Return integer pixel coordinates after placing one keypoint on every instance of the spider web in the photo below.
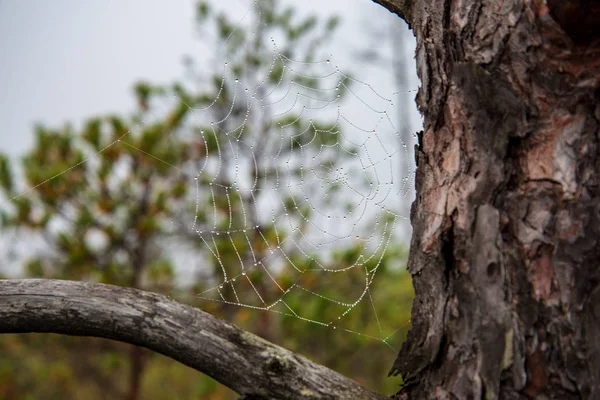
(290, 172)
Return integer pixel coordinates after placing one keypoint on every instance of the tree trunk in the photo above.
(506, 225)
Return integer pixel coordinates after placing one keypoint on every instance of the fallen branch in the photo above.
(248, 364)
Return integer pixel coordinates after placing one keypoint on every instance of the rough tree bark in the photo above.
(248, 364)
(506, 225)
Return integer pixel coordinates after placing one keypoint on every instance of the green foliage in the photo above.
(44, 366)
(6, 178)
(112, 199)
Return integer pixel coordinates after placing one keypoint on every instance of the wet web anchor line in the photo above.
(293, 170)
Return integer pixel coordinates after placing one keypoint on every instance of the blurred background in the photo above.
(199, 199)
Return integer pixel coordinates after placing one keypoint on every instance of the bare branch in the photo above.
(402, 8)
(246, 363)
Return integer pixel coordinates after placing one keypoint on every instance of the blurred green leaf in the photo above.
(6, 177)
